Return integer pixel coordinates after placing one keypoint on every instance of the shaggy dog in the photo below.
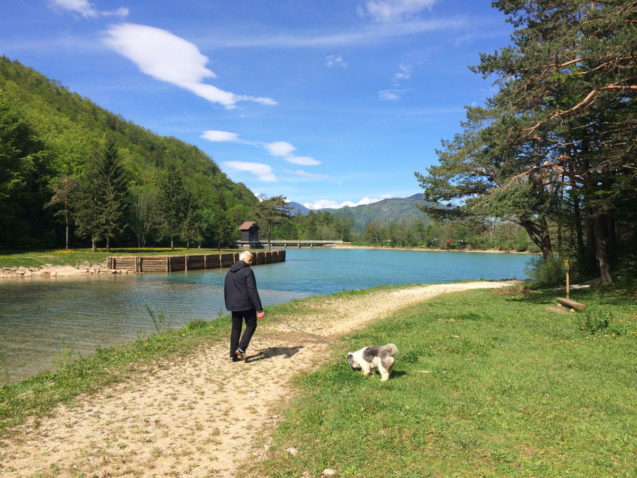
(374, 357)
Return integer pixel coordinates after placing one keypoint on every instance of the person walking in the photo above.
(242, 299)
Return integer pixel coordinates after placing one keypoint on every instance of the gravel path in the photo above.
(198, 416)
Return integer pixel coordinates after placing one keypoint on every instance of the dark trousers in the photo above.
(250, 317)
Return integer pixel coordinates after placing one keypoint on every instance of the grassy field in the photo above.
(74, 257)
(484, 385)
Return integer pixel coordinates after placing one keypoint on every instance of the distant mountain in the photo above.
(385, 211)
(298, 208)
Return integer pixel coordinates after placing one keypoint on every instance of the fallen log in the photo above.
(571, 304)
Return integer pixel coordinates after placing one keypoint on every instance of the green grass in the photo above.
(485, 384)
(74, 257)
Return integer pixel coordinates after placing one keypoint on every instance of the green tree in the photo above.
(172, 203)
(557, 139)
(145, 212)
(64, 190)
(115, 196)
(103, 197)
(24, 176)
(271, 212)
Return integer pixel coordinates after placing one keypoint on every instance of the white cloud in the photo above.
(220, 136)
(279, 148)
(393, 10)
(305, 174)
(390, 95)
(87, 10)
(169, 58)
(403, 73)
(332, 61)
(302, 160)
(262, 171)
(330, 204)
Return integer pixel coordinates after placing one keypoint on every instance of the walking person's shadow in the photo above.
(272, 352)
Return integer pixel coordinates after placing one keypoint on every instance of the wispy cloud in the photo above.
(86, 8)
(369, 34)
(262, 171)
(403, 73)
(279, 149)
(220, 136)
(333, 61)
(392, 10)
(390, 95)
(305, 174)
(169, 58)
(330, 204)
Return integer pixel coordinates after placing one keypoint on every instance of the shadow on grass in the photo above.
(272, 352)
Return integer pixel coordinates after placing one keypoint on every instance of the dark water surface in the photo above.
(41, 318)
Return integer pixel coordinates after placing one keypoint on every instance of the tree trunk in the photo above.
(66, 220)
(93, 245)
(172, 244)
(600, 231)
(539, 234)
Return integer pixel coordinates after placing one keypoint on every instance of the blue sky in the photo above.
(328, 102)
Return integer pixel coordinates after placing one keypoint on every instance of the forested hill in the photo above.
(384, 211)
(53, 142)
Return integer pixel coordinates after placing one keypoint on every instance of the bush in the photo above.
(547, 272)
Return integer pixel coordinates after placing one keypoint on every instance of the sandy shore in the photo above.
(202, 415)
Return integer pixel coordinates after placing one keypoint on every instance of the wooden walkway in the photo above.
(294, 243)
(189, 263)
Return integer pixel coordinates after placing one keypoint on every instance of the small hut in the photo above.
(250, 234)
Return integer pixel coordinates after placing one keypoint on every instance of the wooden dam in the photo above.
(190, 262)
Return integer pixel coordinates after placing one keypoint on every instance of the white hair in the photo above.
(245, 255)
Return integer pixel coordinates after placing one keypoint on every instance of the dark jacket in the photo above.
(240, 288)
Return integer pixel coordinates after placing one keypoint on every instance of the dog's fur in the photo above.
(374, 357)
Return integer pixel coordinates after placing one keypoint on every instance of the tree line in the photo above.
(73, 173)
(554, 149)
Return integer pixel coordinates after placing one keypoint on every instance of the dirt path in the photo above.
(199, 416)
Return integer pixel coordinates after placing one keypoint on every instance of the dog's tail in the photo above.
(391, 349)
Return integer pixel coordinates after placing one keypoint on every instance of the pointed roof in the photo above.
(247, 225)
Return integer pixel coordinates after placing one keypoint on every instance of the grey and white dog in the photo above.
(374, 357)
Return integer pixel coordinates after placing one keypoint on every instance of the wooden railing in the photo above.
(189, 263)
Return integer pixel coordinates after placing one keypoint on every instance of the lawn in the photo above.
(484, 384)
(74, 257)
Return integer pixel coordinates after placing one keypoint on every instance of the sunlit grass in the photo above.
(74, 257)
(484, 385)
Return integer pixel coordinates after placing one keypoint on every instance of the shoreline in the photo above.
(425, 249)
(48, 271)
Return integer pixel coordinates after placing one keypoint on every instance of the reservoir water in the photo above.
(41, 318)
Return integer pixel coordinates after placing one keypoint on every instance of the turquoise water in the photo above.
(41, 318)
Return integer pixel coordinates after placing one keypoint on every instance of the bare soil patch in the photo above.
(201, 415)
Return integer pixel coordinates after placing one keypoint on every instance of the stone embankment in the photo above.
(48, 271)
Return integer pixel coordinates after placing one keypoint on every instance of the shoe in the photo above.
(234, 359)
(241, 354)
